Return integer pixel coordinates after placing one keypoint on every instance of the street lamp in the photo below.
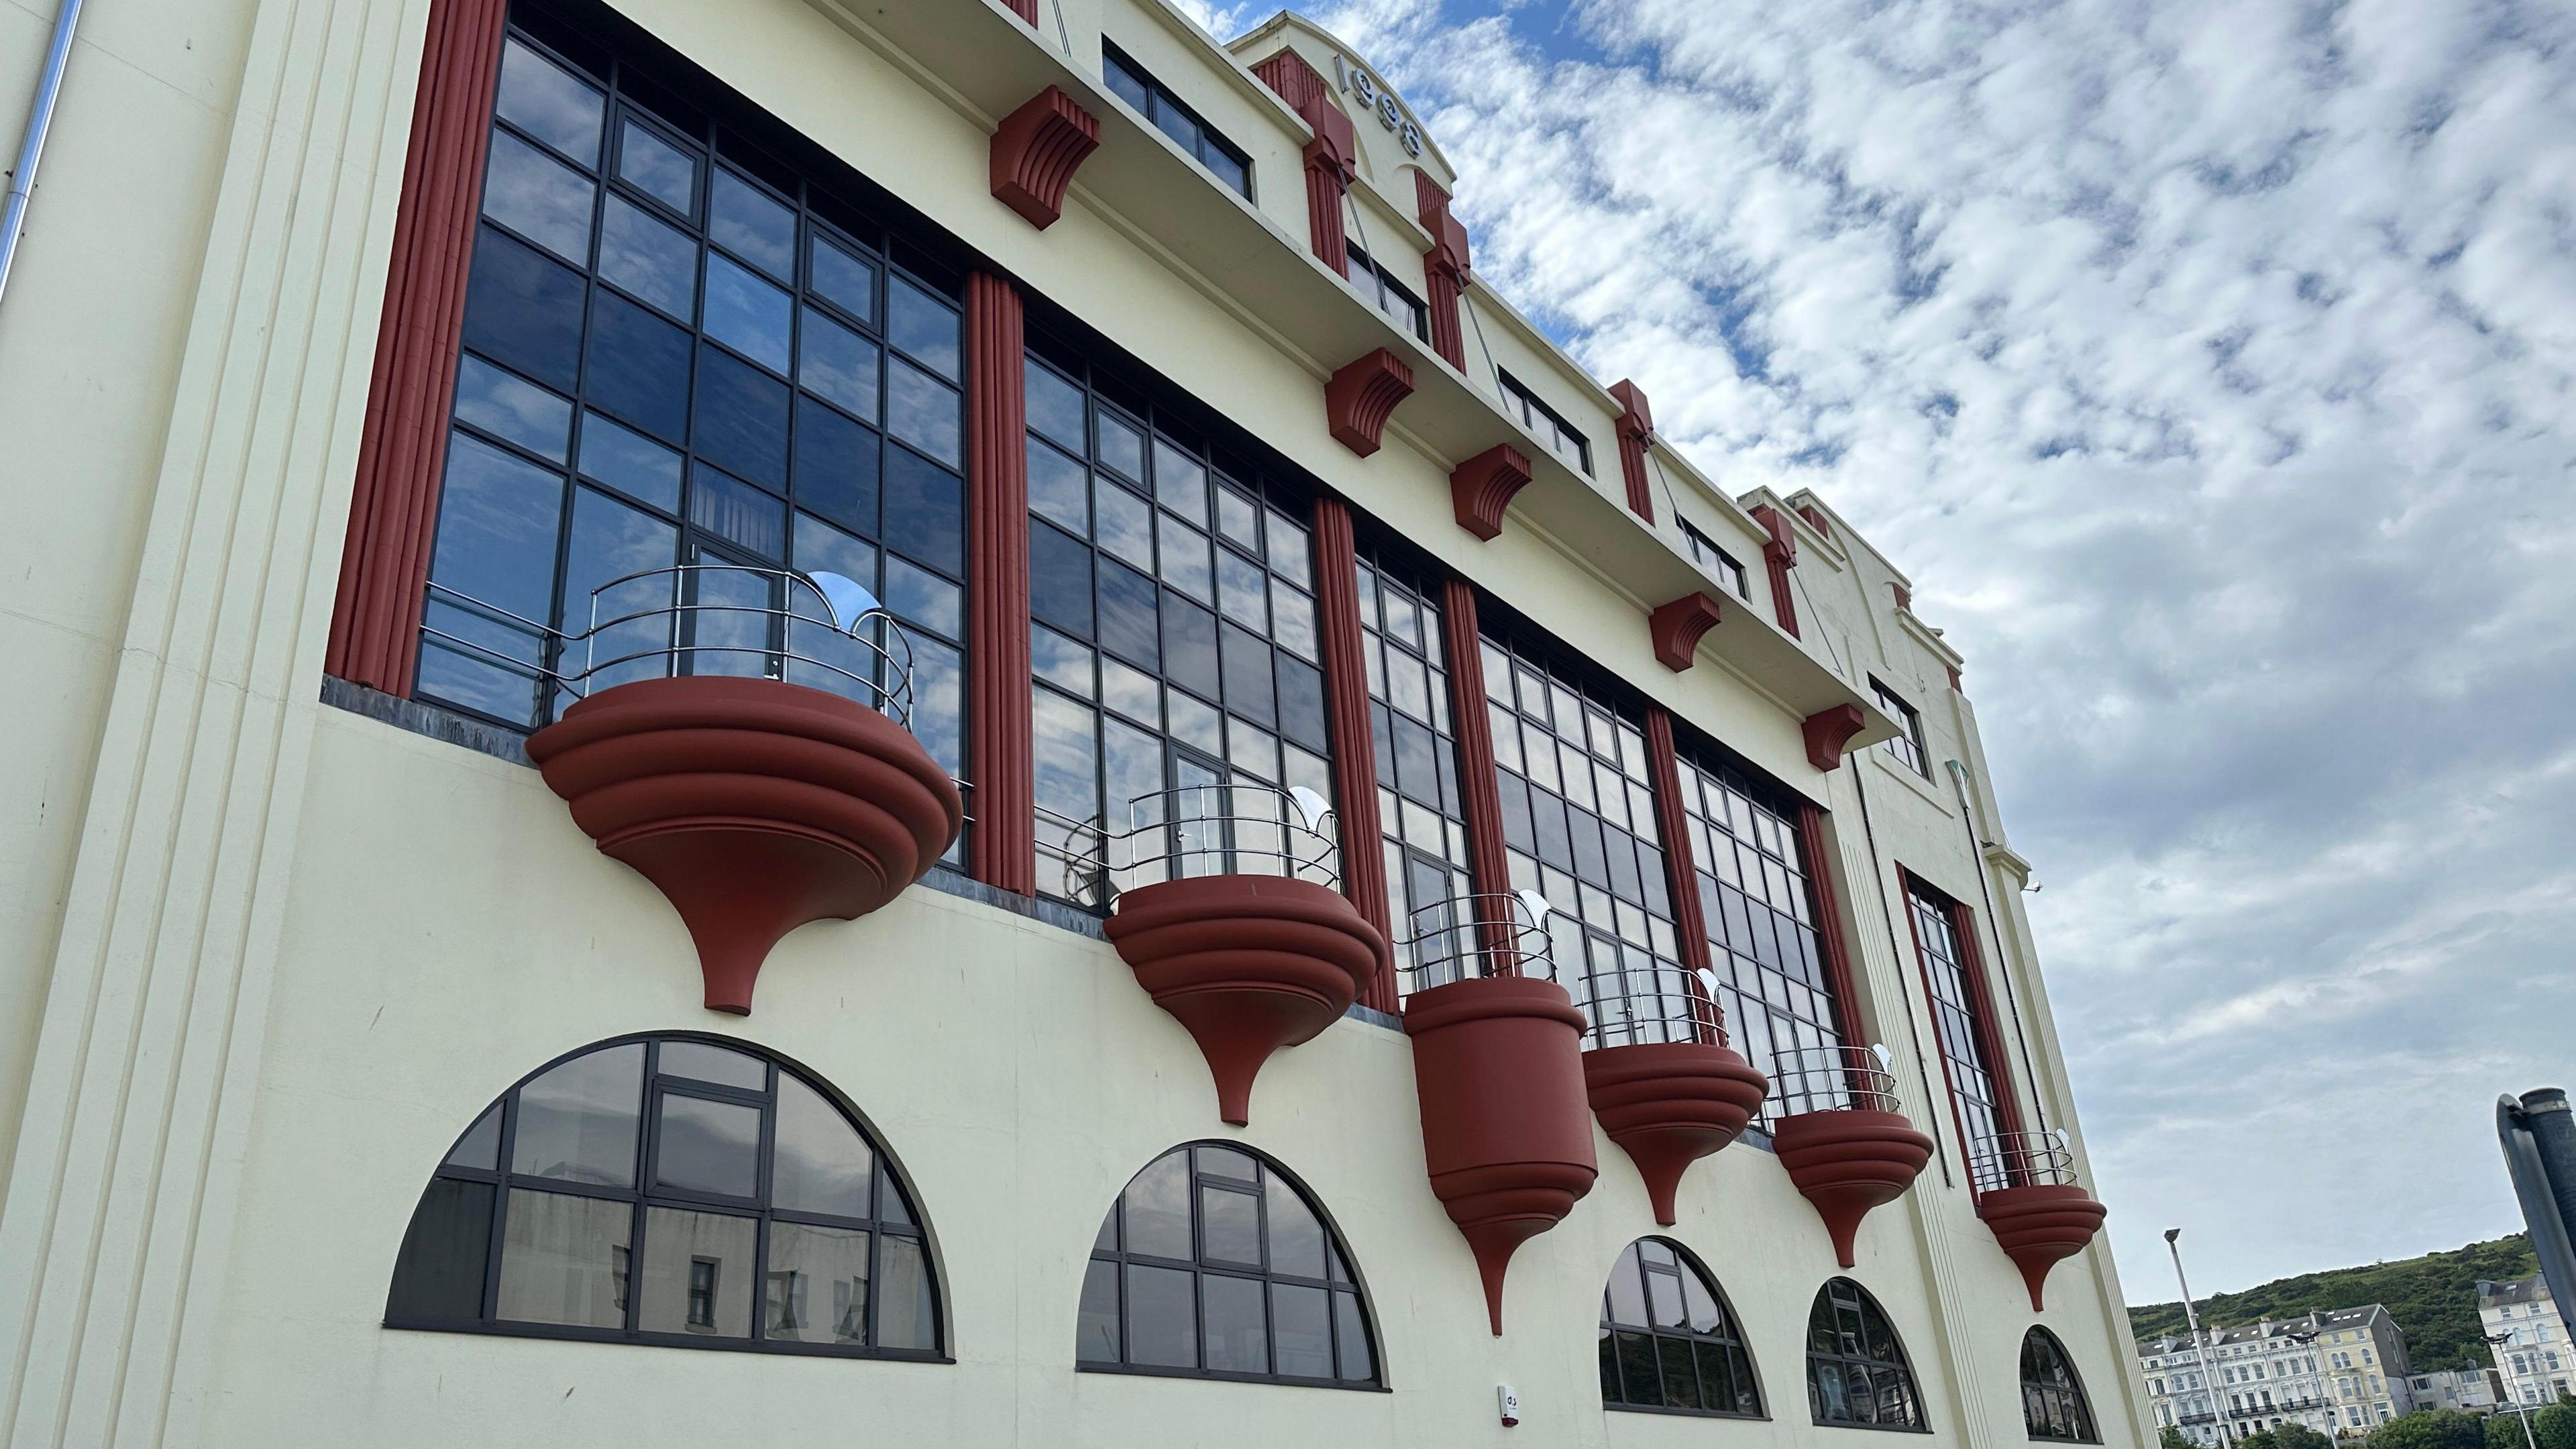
(2209, 1376)
(2500, 1340)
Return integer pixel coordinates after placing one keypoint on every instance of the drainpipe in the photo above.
(40, 119)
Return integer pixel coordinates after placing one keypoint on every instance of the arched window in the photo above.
(1214, 1264)
(671, 1190)
(1856, 1370)
(1669, 1342)
(2052, 1397)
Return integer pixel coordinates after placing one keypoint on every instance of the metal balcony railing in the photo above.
(1238, 828)
(2021, 1159)
(1640, 1002)
(1480, 934)
(1833, 1079)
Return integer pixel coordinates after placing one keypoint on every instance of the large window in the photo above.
(2052, 1397)
(1392, 297)
(671, 1190)
(1772, 983)
(1579, 824)
(1856, 1368)
(1155, 102)
(1213, 1264)
(1548, 424)
(1174, 640)
(1976, 1084)
(1669, 1342)
(1705, 552)
(678, 350)
(1407, 657)
(1908, 744)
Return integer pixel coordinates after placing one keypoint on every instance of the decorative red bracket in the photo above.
(1483, 486)
(1828, 730)
(1360, 398)
(1035, 152)
(1677, 626)
(1636, 434)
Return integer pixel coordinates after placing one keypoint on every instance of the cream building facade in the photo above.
(2339, 1371)
(351, 1094)
(2535, 1361)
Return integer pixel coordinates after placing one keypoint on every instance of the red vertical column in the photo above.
(1445, 269)
(1990, 1037)
(1479, 798)
(1332, 158)
(1003, 844)
(1636, 433)
(393, 509)
(1337, 601)
(1779, 555)
(1829, 925)
(1681, 871)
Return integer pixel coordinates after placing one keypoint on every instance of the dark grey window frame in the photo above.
(2077, 1405)
(1837, 1295)
(1706, 553)
(1728, 1338)
(1908, 747)
(1365, 270)
(1526, 408)
(1131, 81)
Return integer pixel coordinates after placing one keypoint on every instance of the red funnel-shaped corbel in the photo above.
(2040, 1223)
(1669, 1104)
(754, 805)
(1847, 1162)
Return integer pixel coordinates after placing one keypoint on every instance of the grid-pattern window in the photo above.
(1212, 1264)
(677, 351)
(1908, 744)
(1669, 1342)
(2052, 1397)
(1549, 426)
(1392, 297)
(1974, 1088)
(1416, 754)
(1579, 824)
(676, 1191)
(1153, 100)
(1174, 635)
(1856, 1369)
(1772, 986)
(1705, 552)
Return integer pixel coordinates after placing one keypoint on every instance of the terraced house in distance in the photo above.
(911, 720)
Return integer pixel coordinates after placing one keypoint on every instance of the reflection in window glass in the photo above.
(2052, 1397)
(814, 1245)
(1423, 822)
(1856, 1369)
(1668, 1340)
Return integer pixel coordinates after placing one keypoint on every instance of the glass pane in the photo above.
(920, 597)
(480, 1147)
(922, 411)
(838, 363)
(745, 220)
(1180, 482)
(1128, 624)
(564, 1259)
(630, 463)
(1067, 770)
(1627, 1294)
(549, 103)
(1060, 581)
(844, 279)
(750, 517)
(1231, 1222)
(1639, 1381)
(499, 403)
(578, 1121)
(741, 419)
(836, 466)
(817, 1289)
(539, 197)
(906, 1316)
(1121, 446)
(1701, 1305)
(708, 1146)
(821, 1163)
(697, 1273)
(1356, 1361)
(1162, 1318)
(747, 314)
(1302, 1327)
(639, 368)
(703, 1062)
(1059, 488)
(497, 522)
(1054, 406)
(524, 309)
(612, 541)
(1185, 560)
(654, 165)
(923, 326)
(1095, 1331)
(439, 1274)
(1158, 1209)
(1296, 1239)
(1664, 1292)
(1126, 526)
(1681, 1379)
(1238, 1338)
(925, 510)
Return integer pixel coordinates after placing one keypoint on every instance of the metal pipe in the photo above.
(2173, 1244)
(40, 119)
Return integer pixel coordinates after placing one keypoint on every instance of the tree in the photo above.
(2440, 1429)
(2300, 1436)
(2173, 1438)
(2555, 1426)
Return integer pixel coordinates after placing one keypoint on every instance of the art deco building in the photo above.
(909, 721)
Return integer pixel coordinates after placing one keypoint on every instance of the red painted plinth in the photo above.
(1849, 1162)
(1498, 1065)
(755, 805)
(1249, 963)
(1670, 1104)
(2040, 1224)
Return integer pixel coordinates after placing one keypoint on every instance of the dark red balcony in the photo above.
(741, 738)
(1228, 911)
(1844, 1138)
(2028, 1194)
(1663, 1081)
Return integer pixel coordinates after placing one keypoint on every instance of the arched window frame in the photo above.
(1841, 1346)
(1105, 1276)
(894, 1207)
(1726, 1340)
(2052, 1393)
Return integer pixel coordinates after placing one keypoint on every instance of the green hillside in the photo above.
(2434, 1298)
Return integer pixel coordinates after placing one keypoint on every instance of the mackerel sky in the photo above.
(2208, 366)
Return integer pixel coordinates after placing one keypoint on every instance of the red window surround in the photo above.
(1987, 1033)
(1829, 925)
(393, 509)
(1480, 799)
(1681, 871)
(1002, 849)
(1337, 601)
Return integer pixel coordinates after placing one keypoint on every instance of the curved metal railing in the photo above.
(1833, 1079)
(1488, 933)
(1639, 1001)
(2021, 1159)
(821, 629)
(1240, 827)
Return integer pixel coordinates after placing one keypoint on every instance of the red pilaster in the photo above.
(1480, 798)
(1780, 554)
(1681, 869)
(393, 510)
(1445, 269)
(1990, 1036)
(1337, 601)
(1636, 434)
(1002, 848)
(1332, 158)
(1025, 9)
(1821, 862)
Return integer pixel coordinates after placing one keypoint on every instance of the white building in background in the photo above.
(2536, 1362)
(2475, 1391)
(2338, 1371)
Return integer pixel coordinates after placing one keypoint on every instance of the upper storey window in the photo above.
(1174, 637)
(1153, 100)
(1407, 657)
(1579, 825)
(677, 351)
(1772, 985)
(1549, 425)
(1392, 297)
(1705, 552)
(1908, 744)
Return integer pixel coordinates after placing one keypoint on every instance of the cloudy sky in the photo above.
(2208, 365)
